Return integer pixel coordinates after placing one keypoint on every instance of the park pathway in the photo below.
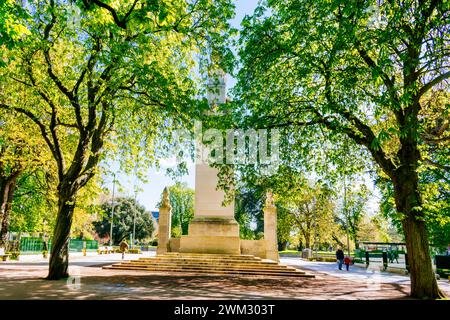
(24, 280)
(358, 274)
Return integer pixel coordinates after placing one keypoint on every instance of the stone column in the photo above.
(270, 228)
(164, 223)
(213, 228)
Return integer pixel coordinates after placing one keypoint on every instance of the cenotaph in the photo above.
(213, 228)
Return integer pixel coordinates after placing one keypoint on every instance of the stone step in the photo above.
(182, 260)
(215, 271)
(201, 263)
(204, 261)
(211, 256)
(209, 266)
(206, 265)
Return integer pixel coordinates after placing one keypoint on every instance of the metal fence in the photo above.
(35, 244)
(31, 244)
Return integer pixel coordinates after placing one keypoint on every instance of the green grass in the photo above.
(290, 251)
(318, 252)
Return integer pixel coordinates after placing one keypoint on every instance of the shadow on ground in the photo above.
(95, 283)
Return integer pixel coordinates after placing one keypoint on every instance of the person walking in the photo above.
(347, 262)
(123, 248)
(340, 257)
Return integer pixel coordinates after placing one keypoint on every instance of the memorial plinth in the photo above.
(213, 228)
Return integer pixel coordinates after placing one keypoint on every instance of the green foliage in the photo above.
(35, 205)
(102, 80)
(326, 70)
(248, 207)
(125, 212)
(118, 80)
(182, 201)
(311, 209)
(284, 226)
(12, 25)
(365, 70)
(353, 208)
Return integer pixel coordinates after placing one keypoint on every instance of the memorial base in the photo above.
(212, 235)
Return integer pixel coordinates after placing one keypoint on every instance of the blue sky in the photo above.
(151, 191)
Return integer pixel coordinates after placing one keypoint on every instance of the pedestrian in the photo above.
(347, 262)
(340, 257)
(123, 248)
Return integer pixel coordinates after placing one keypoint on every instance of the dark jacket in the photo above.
(339, 254)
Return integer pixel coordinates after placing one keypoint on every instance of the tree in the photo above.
(20, 152)
(34, 205)
(95, 86)
(353, 210)
(125, 211)
(249, 203)
(86, 210)
(312, 211)
(360, 69)
(285, 221)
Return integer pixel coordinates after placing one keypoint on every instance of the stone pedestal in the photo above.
(270, 228)
(213, 229)
(164, 224)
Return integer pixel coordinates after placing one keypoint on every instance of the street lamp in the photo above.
(134, 218)
(347, 223)
(112, 212)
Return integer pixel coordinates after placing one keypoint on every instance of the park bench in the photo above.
(3, 255)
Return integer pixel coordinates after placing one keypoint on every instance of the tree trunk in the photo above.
(356, 242)
(6, 204)
(3, 204)
(307, 236)
(408, 202)
(282, 246)
(59, 259)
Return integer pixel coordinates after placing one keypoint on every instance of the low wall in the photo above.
(254, 247)
(174, 244)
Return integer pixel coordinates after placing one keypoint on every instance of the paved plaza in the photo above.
(24, 280)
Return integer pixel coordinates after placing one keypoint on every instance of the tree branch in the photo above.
(36, 120)
(438, 165)
(432, 83)
(389, 83)
(120, 23)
